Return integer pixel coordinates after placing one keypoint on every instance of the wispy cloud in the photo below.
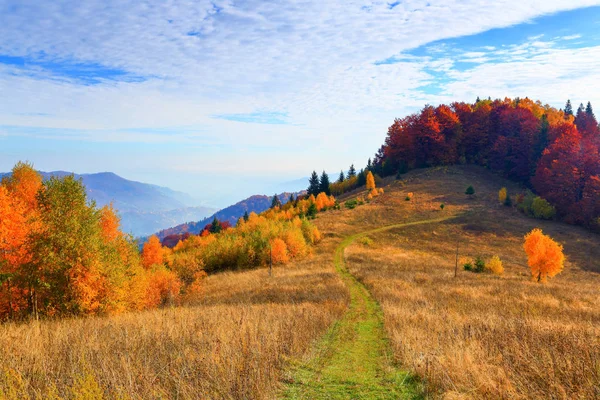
(269, 117)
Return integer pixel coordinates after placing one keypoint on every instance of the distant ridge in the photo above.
(144, 208)
(231, 214)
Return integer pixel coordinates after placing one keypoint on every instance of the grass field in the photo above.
(310, 331)
(233, 345)
(480, 335)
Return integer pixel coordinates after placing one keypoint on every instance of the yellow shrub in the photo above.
(495, 265)
(502, 195)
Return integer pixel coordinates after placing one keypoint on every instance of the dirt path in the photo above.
(354, 360)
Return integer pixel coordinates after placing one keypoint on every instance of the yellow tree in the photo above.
(544, 256)
(370, 181)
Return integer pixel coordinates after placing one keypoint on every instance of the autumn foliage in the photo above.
(554, 153)
(544, 256)
(61, 255)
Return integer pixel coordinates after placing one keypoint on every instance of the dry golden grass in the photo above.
(479, 335)
(232, 344)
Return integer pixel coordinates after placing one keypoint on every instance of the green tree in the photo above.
(66, 270)
(369, 165)
(470, 191)
(215, 226)
(568, 108)
(341, 178)
(351, 172)
(324, 184)
(275, 202)
(313, 184)
(361, 178)
(246, 216)
(589, 111)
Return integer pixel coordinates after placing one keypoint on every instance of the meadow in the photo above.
(466, 337)
(481, 335)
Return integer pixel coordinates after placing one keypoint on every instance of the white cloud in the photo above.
(313, 60)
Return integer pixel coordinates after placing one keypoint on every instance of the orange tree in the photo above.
(544, 256)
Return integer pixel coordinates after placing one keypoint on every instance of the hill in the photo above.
(144, 208)
(256, 204)
(406, 327)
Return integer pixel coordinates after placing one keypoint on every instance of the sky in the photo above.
(224, 99)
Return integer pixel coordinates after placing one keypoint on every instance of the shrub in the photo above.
(442, 206)
(508, 201)
(312, 210)
(366, 241)
(502, 195)
(495, 265)
(479, 265)
(409, 196)
(468, 266)
(470, 191)
(542, 209)
(350, 204)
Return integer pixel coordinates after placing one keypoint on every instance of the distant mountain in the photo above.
(256, 203)
(144, 208)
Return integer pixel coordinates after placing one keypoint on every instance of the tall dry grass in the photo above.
(480, 335)
(232, 344)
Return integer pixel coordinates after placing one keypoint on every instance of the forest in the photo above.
(60, 255)
(554, 152)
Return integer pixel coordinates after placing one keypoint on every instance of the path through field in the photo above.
(354, 359)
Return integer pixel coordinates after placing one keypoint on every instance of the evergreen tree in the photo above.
(341, 178)
(246, 216)
(275, 202)
(351, 172)
(589, 111)
(580, 110)
(477, 100)
(291, 199)
(369, 165)
(215, 227)
(313, 184)
(568, 108)
(324, 184)
(361, 178)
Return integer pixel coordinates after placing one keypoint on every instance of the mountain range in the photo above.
(144, 208)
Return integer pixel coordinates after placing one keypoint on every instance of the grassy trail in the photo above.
(354, 360)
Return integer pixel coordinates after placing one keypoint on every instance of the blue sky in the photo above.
(223, 99)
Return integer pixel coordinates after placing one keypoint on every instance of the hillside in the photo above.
(144, 208)
(410, 329)
(256, 204)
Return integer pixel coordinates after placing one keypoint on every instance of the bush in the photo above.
(312, 210)
(470, 191)
(508, 201)
(366, 241)
(542, 209)
(468, 266)
(479, 265)
(502, 195)
(442, 206)
(350, 204)
(495, 266)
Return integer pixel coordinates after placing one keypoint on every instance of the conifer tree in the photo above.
(246, 216)
(361, 178)
(215, 227)
(351, 172)
(291, 199)
(341, 178)
(369, 165)
(324, 184)
(568, 108)
(313, 184)
(275, 202)
(589, 111)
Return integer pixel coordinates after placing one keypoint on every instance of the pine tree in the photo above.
(313, 184)
(324, 184)
(215, 227)
(341, 178)
(477, 100)
(568, 108)
(580, 110)
(246, 216)
(361, 178)
(275, 202)
(589, 111)
(369, 165)
(291, 199)
(351, 172)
